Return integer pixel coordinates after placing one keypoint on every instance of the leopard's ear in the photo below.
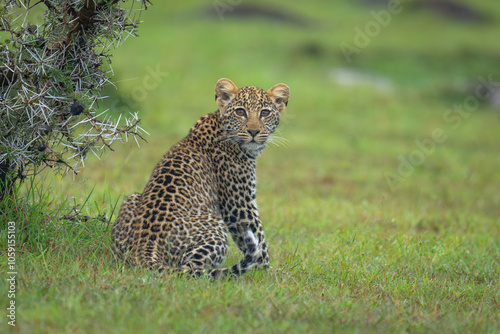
(225, 91)
(279, 95)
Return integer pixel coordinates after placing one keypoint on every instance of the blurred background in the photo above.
(393, 113)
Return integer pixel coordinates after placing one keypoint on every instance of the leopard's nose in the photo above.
(253, 133)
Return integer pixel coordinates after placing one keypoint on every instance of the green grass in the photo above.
(350, 251)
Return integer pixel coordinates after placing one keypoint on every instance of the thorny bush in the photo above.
(55, 61)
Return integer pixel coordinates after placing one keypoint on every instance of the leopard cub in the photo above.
(202, 186)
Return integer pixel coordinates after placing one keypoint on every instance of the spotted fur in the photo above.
(203, 185)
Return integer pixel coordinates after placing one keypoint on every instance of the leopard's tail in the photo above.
(248, 261)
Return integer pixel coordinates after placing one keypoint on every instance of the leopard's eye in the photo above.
(265, 113)
(240, 112)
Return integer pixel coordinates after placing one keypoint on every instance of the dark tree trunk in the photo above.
(6, 181)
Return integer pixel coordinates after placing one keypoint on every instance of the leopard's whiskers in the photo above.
(278, 141)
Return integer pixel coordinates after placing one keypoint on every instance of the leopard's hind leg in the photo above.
(197, 263)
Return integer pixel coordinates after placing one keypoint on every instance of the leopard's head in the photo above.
(249, 115)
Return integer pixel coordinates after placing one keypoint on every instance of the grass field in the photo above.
(381, 211)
